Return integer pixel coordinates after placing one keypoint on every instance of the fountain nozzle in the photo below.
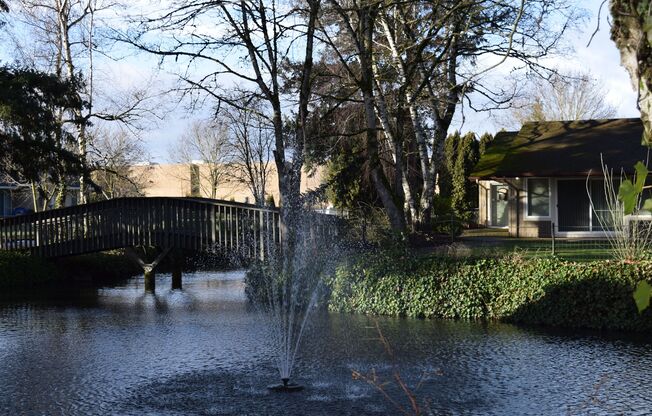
(286, 386)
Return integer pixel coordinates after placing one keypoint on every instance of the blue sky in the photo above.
(601, 58)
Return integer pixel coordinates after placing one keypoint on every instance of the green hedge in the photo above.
(22, 270)
(545, 291)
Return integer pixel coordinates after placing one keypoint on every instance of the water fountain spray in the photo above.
(290, 293)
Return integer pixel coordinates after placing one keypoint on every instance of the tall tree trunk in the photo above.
(82, 141)
(34, 197)
(427, 194)
(632, 33)
(442, 110)
(290, 171)
(381, 184)
(60, 196)
(401, 184)
(394, 213)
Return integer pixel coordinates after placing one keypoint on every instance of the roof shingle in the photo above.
(563, 148)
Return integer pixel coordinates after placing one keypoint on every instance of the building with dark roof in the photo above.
(545, 175)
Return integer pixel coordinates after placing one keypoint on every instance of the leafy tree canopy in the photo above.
(33, 110)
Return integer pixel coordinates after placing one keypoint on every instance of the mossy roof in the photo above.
(563, 148)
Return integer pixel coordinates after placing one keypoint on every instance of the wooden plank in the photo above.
(21, 233)
(212, 225)
(94, 231)
(263, 234)
(114, 224)
(138, 238)
(239, 240)
(220, 229)
(229, 227)
(196, 215)
(134, 222)
(3, 235)
(63, 232)
(175, 227)
(207, 225)
(155, 209)
(196, 218)
(167, 224)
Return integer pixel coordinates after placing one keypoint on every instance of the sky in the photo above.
(601, 58)
(134, 71)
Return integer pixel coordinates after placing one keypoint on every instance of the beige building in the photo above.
(183, 180)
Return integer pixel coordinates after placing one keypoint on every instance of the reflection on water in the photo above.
(203, 351)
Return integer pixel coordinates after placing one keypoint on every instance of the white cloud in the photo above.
(601, 58)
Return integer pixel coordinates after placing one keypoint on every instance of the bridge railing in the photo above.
(155, 221)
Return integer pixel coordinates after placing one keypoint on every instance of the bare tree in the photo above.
(348, 29)
(63, 39)
(205, 148)
(422, 58)
(251, 140)
(572, 96)
(247, 41)
(113, 155)
(62, 36)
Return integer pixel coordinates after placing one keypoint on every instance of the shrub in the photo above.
(255, 281)
(266, 282)
(546, 291)
(22, 270)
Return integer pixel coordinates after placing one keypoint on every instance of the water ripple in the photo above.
(202, 351)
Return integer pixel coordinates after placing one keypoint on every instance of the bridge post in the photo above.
(176, 277)
(148, 268)
(177, 268)
(150, 278)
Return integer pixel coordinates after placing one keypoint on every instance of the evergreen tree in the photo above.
(485, 139)
(464, 192)
(448, 167)
(348, 184)
(33, 139)
(461, 153)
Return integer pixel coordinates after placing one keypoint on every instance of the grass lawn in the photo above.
(496, 242)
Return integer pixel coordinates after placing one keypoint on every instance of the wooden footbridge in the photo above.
(247, 231)
(244, 230)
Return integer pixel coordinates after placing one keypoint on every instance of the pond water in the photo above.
(203, 351)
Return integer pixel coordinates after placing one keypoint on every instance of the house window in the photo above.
(538, 197)
(583, 206)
